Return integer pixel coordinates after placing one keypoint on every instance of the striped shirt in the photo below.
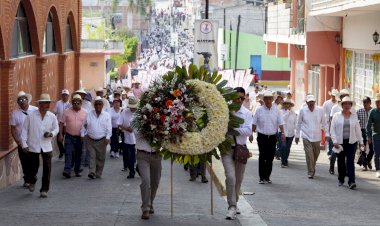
(363, 117)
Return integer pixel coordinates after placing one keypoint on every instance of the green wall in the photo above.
(250, 44)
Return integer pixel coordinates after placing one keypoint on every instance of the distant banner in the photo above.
(206, 44)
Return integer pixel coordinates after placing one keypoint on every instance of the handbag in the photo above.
(241, 153)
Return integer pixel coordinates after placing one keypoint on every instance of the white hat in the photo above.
(344, 92)
(347, 99)
(99, 98)
(23, 94)
(133, 102)
(44, 97)
(267, 94)
(81, 90)
(334, 92)
(310, 98)
(288, 101)
(65, 91)
(77, 97)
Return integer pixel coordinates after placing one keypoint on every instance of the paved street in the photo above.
(293, 199)
(112, 200)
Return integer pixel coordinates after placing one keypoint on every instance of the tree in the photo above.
(130, 49)
(139, 6)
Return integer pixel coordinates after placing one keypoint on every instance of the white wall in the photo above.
(321, 23)
(358, 30)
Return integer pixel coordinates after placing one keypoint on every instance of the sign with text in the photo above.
(206, 44)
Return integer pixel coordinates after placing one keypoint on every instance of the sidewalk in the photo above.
(112, 200)
(293, 199)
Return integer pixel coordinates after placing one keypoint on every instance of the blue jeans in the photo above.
(129, 157)
(346, 162)
(285, 150)
(332, 154)
(73, 150)
(376, 148)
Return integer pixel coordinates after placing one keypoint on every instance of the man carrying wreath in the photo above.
(233, 169)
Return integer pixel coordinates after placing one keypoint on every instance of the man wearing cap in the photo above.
(71, 124)
(58, 110)
(373, 133)
(310, 122)
(39, 128)
(98, 130)
(327, 106)
(363, 119)
(17, 123)
(267, 120)
(128, 146)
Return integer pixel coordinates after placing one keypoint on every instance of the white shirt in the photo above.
(17, 120)
(60, 108)
(125, 120)
(290, 120)
(87, 105)
(34, 129)
(327, 106)
(268, 120)
(336, 129)
(142, 143)
(337, 108)
(245, 129)
(310, 123)
(97, 127)
(114, 117)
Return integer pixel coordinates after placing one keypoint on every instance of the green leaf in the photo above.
(218, 78)
(234, 107)
(221, 84)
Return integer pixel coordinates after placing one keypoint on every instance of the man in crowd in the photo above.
(106, 105)
(71, 124)
(311, 121)
(327, 107)
(39, 128)
(58, 110)
(363, 119)
(233, 169)
(98, 131)
(267, 120)
(373, 133)
(17, 123)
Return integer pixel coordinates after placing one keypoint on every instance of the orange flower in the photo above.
(176, 93)
(155, 110)
(169, 103)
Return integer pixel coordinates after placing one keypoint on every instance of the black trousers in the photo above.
(267, 149)
(60, 146)
(34, 164)
(23, 160)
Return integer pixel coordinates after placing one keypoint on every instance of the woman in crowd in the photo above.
(290, 119)
(115, 114)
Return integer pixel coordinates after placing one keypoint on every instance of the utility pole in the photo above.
(237, 42)
(206, 13)
(224, 35)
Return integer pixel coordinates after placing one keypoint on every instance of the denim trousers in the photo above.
(376, 148)
(346, 162)
(73, 153)
(285, 150)
(129, 157)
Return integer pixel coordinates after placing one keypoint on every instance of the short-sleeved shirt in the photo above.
(125, 120)
(73, 121)
(17, 119)
(267, 120)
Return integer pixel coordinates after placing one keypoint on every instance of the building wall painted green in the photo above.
(250, 44)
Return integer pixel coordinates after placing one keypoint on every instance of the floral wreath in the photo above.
(186, 115)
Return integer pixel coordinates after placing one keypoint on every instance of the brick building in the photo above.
(39, 53)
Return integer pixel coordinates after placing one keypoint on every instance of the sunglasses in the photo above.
(21, 100)
(97, 104)
(76, 102)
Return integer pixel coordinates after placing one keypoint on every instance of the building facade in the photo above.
(39, 53)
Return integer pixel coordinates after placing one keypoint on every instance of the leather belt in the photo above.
(96, 140)
(147, 152)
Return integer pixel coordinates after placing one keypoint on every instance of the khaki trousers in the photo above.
(234, 172)
(97, 151)
(312, 150)
(150, 174)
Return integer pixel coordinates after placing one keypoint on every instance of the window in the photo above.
(49, 41)
(363, 76)
(21, 44)
(68, 38)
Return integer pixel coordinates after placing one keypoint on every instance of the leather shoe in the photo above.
(66, 174)
(130, 176)
(151, 211)
(145, 215)
(91, 176)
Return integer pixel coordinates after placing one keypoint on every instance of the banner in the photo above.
(206, 44)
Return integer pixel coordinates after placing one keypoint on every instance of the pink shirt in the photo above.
(137, 92)
(73, 121)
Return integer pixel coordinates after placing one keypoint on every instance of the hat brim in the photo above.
(286, 102)
(351, 101)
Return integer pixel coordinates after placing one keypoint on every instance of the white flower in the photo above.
(149, 107)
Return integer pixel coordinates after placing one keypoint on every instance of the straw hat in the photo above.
(44, 97)
(133, 102)
(267, 94)
(81, 91)
(77, 97)
(333, 92)
(347, 99)
(23, 94)
(99, 98)
(288, 101)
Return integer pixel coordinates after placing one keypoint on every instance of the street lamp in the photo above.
(375, 37)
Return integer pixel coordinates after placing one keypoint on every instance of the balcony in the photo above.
(110, 47)
(343, 7)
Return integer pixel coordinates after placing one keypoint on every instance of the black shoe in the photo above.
(268, 181)
(80, 170)
(91, 176)
(130, 176)
(369, 165)
(60, 155)
(192, 178)
(66, 174)
(352, 186)
(261, 182)
(331, 172)
(204, 179)
(340, 184)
